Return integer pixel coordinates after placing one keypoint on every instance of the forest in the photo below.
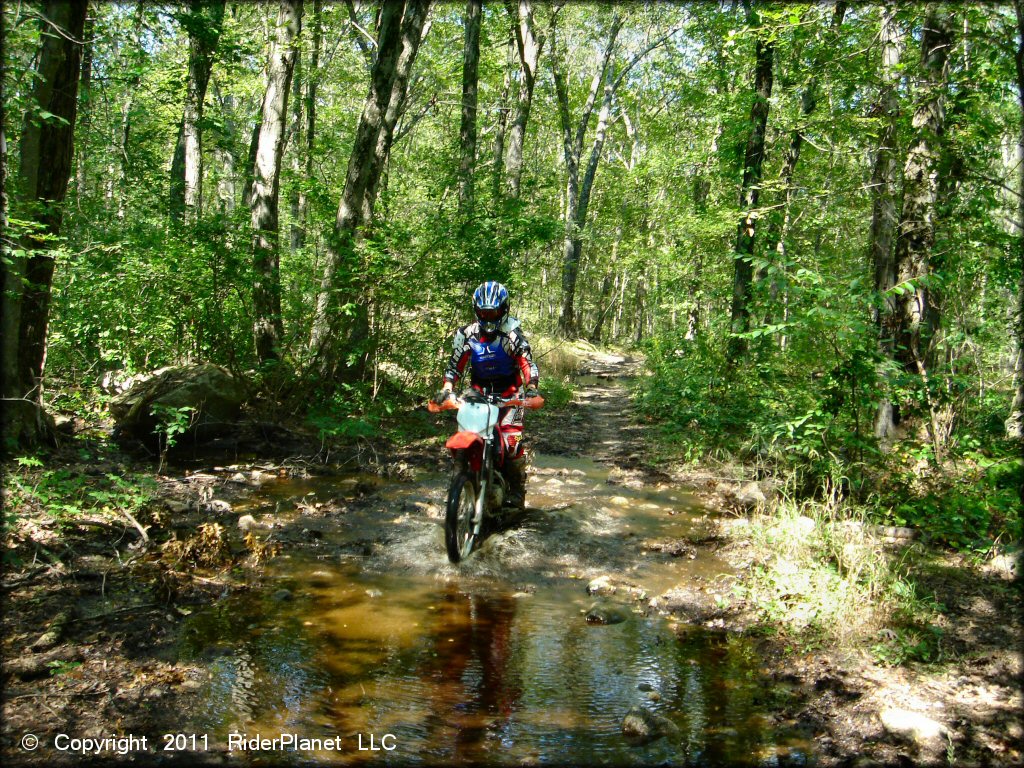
(802, 222)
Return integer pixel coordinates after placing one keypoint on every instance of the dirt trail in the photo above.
(598, 514)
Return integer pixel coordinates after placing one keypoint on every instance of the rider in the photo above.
(500, 362)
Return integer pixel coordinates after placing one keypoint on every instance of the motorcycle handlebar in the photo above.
(452, 403)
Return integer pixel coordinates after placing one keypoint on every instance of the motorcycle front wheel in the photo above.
(458, 520)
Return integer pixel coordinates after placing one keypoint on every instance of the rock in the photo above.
(239, 478)
(176, 506)
(218, 505)
(602, 585)
(645, 686)
(750, 496)
(619, 501)
(215, 394)
(283, 595)
(606, 613)
(246, 522)
(922, 731)
(641, 726)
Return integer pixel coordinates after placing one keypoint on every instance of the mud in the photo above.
(241, 609)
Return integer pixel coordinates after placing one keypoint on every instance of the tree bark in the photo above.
(45, 166)
(501, 126)
(1015, 422)
(572, 145)
(203, 23)
(400, 30)
(300, 202)
(84, 107)
(749, 191)
(916, 317)
(266, 175)
(470, 77)
(916, 313)
(529, 46)
(883, 208)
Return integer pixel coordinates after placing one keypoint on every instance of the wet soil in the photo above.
(319, 572)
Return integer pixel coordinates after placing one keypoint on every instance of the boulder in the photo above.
(215, 395)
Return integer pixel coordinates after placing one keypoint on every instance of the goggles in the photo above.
(492, 314)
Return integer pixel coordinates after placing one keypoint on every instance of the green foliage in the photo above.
(63, 495)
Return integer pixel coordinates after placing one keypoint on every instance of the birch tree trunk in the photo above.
(883, 207)
(264, 201)
(45, 165)
(203, 23)
(467, 128)
(749, 192)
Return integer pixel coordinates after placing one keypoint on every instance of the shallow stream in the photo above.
(366, 630)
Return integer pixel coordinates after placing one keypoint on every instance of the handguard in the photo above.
(448, 405)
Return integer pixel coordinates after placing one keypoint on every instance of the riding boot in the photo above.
(515, 474)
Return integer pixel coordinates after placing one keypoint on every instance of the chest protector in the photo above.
(491, 360)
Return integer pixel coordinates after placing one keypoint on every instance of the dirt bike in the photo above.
(478, 488)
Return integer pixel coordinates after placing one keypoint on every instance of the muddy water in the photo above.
(367, 630)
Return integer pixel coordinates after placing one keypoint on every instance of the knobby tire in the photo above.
(458, 519)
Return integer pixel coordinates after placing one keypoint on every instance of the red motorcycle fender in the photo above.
(462, 440)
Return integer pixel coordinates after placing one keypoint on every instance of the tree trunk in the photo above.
(84, 107)
(305, 106)
(45, 152)
(467, 128)
(399, 33)
(203, 23)
(916, 314)
(501, 126)
(779, 220)
(224, 154)
(883, 208)
(529, 47)
(1015, 422)
(266, 175)
(750, 190)
(572, 142)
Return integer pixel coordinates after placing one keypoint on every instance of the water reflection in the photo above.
(465, 668)
(468, 675)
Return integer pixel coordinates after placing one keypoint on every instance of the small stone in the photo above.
(246, 522)
(238, 477)
(645, 686)
(619, 501)
(283, 595)
(175, 506)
